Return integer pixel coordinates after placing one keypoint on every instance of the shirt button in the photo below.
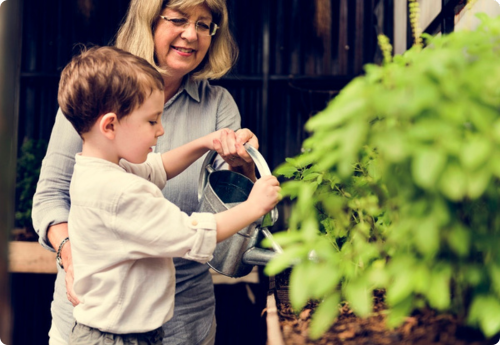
(194, 222)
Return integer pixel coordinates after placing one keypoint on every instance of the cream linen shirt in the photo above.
(124, 234)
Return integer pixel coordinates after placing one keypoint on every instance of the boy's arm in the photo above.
(177, 160)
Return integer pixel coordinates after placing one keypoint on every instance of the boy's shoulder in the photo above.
(103, 184)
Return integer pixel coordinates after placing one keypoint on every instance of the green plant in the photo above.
(28, 170)
(398, 188)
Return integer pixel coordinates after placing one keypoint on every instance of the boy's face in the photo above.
(139, 131)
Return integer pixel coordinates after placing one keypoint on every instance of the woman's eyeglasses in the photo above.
(202, 28)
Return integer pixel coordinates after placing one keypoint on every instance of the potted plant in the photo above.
(398, 189)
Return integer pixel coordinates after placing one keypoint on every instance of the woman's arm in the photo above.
(51, 201)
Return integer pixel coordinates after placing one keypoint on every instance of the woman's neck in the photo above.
(171, 87)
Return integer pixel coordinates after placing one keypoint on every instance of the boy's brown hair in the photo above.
(105, 80)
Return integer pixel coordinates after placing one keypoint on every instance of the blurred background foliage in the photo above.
(28, 169)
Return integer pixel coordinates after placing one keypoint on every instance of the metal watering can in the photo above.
(219, 190)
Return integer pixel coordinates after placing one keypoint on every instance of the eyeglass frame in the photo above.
(186, 25)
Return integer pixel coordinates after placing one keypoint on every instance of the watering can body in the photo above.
(218, 191)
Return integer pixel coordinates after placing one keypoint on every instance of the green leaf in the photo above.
(496, 130)
(484, 311)
(399, 311)
(400, 288)
(299, 283)
(459, 240)
(477, 182)
(473, 274)
(324, 316)
(392, 146)
(438, 293)
(286, 170)
(427, 166)
(285, 238)
(475, 153)
(336, 113)
(310, 228)
(291, 188)
(359, 296)
(286, 259)
(494, 271)
(292, 161)
(311, 176)
(495, 164)
(326, 279)
(377, 275)
(421, 277)
(453, 182)
(427, 235)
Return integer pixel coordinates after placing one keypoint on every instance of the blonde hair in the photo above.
(136, 35)
(105, 80)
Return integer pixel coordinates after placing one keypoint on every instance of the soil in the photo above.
(425, 327)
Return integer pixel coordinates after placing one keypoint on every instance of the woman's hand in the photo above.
(67, 261)
(231, 149)
(56, 234)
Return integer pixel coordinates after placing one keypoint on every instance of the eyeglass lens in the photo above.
(202, 28)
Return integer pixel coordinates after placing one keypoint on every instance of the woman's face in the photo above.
(180, 50)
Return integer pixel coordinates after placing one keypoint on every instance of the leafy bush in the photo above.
(28, 170)
(398, 188)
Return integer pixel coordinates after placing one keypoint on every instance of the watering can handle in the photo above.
(259, 161)
(264, 170)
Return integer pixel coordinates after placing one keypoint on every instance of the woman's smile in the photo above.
(184, 51)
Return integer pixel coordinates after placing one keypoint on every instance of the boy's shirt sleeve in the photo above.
(152, 169)
(149, 225)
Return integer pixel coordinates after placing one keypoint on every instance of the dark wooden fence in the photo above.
(295, 55)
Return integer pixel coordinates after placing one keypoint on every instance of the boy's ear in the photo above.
(107, 125)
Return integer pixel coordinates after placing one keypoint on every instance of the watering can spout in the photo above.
(258, 256)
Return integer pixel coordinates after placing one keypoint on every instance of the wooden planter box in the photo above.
(274, 334)
(30, 257)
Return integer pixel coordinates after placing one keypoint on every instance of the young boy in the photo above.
(124, 233)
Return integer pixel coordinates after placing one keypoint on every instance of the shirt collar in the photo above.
(191, 88)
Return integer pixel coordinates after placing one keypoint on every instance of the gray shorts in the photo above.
(83, 335)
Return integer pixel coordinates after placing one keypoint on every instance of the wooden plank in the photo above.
(252, 277)
(343, 45)
(30, 257)
(360, 31)
(274, 335)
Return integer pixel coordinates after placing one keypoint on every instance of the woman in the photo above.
(189, 42)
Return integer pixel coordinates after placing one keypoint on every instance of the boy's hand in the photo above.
(265, 194)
